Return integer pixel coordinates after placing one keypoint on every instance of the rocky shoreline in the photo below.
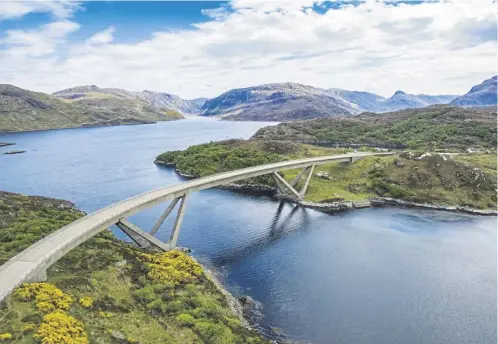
(332, 207)
(247, 310)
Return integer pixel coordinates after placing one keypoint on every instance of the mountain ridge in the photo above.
(24, 110)
(483, 94)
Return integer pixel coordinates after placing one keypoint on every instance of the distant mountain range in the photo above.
(291, 101)
(93, 106)
(23, 110)
(483, 94)
(278, 102)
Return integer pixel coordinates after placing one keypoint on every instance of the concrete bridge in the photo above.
(32, 263)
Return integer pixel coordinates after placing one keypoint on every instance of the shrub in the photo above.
(5, 336)
(28, 328)
(86, 302)
(214, 333)
(172, 266)
(48, 297)
(60, 328)
(185, 320)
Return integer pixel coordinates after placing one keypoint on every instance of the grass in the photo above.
(119, 293)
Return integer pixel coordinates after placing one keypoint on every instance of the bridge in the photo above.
(32, 263)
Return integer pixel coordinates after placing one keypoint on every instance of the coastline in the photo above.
(333, 207)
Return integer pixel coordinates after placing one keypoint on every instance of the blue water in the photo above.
(376, 276)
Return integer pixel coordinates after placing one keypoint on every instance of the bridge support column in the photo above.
(163, 217)
(284, 182)
(127, 229)
(178, 223)
(140, 236)
(303, 190)
(39, 277)
(298, 177)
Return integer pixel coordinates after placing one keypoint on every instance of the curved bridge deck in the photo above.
(34, 260)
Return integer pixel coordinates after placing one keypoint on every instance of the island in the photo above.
(17, 151)
(109, 291)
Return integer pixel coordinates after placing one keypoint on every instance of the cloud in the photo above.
(17, 9)
(431, 47)
(102, 37)
(40, 42)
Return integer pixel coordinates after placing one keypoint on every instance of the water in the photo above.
(368, 276)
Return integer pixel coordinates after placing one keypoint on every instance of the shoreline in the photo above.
(90, 125)
(333, 207)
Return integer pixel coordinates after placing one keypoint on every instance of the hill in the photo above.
(23, 110)
(277, 102)
(433, 127)
(483, 94)
(108, 291)
(151, 99)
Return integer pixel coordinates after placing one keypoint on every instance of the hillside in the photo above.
(23, 110)
(441, 180)
(150, 99)
(277, 102)
(434, 127)
(483, 94)
(108, 291)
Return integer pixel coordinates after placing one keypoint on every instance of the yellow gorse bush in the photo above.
(60, 328)
(28, 328)
(86, 302)
(47, 296)
(172, 266)
(5, 336)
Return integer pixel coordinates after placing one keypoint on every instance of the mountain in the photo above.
(483, 94)
(199, 101)
(365, 100)
(278, 102)
(151, 99)
(23, 110)
(401, 100)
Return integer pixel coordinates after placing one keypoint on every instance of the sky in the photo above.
(201, 49)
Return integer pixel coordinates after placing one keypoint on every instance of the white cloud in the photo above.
(102, 37)
(433, 47)
(17, 9)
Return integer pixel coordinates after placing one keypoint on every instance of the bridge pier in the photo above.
(178, 223)
(282, 184)
(144, 239)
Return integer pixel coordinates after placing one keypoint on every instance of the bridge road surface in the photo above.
(34, 260)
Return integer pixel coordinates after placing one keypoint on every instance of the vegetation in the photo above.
(214, 157)
(107, 291)
(460, 180)
(437, 127)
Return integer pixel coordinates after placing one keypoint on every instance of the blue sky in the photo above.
(196, 49)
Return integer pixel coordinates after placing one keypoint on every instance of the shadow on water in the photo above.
(279, 227)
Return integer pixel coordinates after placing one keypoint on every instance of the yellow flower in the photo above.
(47, 296)
(5, 336)
(60, 328)
(86, 302)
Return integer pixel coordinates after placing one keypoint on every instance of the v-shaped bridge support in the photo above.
(283, 185)
(144, 239)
